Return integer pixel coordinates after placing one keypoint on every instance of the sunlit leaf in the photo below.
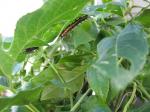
(31, 29)
(144, 18)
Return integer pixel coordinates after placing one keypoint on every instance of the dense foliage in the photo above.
(74, 56)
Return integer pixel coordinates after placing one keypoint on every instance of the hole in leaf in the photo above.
(124, 63)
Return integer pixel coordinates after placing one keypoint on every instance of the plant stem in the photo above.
(57, 73)
(29, 108)
(80, 100)
(141, 94)
(52, 66)
(144, 91)
(32, 108)
(55, 70)
(121, 101)
(131, 98)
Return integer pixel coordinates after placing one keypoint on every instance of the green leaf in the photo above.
(53, 92)
(7, 63)
(98, 83)
(84, 33)
(32, 28)
(144, 18)
(42, 78)
(73, 82)
(92, 104)
(21, 98)
(120, 59)
(73, 78)
(72, 61)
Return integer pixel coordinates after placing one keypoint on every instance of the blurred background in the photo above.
(12, 10)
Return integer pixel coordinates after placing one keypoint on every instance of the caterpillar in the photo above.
(64, 32)
(73, 25)
(31, 49)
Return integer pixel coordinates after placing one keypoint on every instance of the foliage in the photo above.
(75, 56)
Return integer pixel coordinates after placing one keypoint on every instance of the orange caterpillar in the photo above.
(73, 25)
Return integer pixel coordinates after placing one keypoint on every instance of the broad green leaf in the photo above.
(84, 33)
(31, 29)
(144, 18)
(120, 59)
(7, 63)
(73, 82)
(53, 92)
(21, 98)
(42, 78)
(48, 79)
(72, 61)
(98, 83)
(73, 78)
(92, 104)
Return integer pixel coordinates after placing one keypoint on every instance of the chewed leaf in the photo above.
(120, 58)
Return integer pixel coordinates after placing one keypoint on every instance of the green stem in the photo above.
(32, 108)
(131, 98)
(122, 100)
(79, 101)
(144, 91)
(52, 66)
(29, 108)
(57, 73)
(141, 94)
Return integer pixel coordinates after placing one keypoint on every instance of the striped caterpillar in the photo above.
(69, 28)
(73, 25)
